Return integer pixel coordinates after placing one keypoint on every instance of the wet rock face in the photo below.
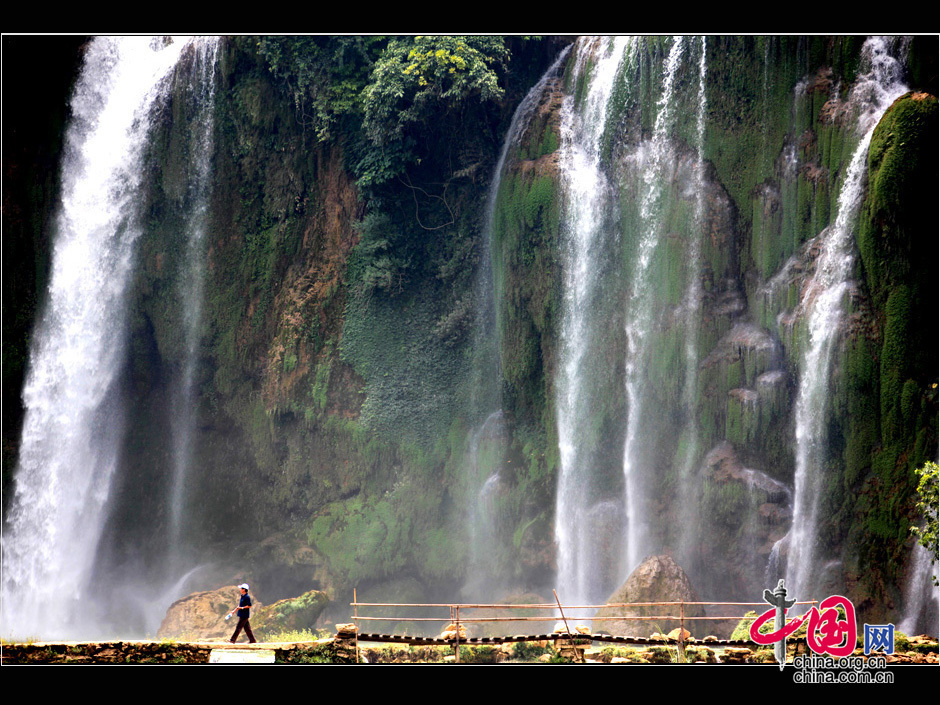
(201, 615)
(745, 511)
(657, 579)
(293, 614)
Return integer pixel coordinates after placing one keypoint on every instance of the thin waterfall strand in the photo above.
(642, 302)
(822, 307)
(585, 189)
(192, 283)
(692, 309)
(490, 438)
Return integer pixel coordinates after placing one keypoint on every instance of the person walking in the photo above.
(244, 610)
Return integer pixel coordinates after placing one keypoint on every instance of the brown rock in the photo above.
(450, 632)
(346, 631)
(201, 615)
(657, 579)
(292, 614)
(680, 634)
(736, 655)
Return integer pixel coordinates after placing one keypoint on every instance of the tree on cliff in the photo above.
(418, 83)
(928, 501)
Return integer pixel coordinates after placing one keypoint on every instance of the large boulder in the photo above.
(657, 579)
(291, 615)
(201, 615)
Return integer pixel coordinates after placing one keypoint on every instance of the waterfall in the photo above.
(692, 305)
(486, 390)
(587, 251)
(201, 91)
(656, 161)
(921, 596)
(487, 289)
(821, 307)
(488, 443)
(486, 454)
(623, 191)
(74, 424)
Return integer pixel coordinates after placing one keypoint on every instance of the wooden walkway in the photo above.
(486, 640)
(679, 613)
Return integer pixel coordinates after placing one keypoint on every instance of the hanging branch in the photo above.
(440, 198)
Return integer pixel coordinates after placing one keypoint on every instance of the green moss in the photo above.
(899, 181)
(526, 271)
(890, 245)
(750, 114)
(529, 651)
(411, 377)
(320, 653)
(727, 502)
(894, 355)
(661, 654)
(359, 541)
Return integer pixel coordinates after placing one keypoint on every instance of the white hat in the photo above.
(243, 586)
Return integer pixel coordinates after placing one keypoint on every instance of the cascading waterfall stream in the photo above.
(192, 282)
(490, 437)
(656, 159)
(921, 596)
(74, 416)
(586, 193)
(486, 453)
(487, 293)
(600, 541)
(692, 309)
(822, 309)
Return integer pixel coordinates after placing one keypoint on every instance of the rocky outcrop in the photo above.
(744, 510)
(201, 615)
(657, 579)
(293, 614)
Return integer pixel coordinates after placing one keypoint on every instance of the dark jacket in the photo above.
(243, 606)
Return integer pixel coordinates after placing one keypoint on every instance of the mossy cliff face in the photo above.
(346, 422)
(779, 132)
(280, 230)
(337, 391)
(897, 361)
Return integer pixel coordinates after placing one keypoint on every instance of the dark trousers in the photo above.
(243, 623)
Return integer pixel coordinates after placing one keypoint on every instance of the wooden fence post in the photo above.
(356, 621)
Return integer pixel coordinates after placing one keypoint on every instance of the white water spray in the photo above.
(488, 443)
(821, 306)
(192, 282)
(656, 158)
(921, 596)
(74, 418)
(692, 311)
(586, 193)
